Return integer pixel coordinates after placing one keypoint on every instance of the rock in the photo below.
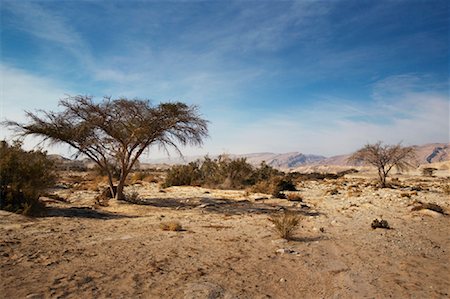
(279, 241)
(283, 280)
(260, 198)
(286, 250)
(203, 205)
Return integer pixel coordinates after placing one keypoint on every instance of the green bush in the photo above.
(24, 176)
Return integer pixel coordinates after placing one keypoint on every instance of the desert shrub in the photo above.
(226, 173)
(285, 224)
(174, 226)
(380, 224)
(24, 176)
(132, 195)
(294, 197)
(274, 186)
(183, 175)
(236, 173)
(265, 172)
(428, 171)
(143, 176)
(223, 172)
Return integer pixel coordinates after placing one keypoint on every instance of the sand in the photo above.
(229, 249)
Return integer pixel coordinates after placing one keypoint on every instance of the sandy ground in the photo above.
(228, 248)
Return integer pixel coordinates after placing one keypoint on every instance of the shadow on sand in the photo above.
(83, 212)
(222, 205)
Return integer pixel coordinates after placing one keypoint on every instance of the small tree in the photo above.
(384, 158)
(115, 133)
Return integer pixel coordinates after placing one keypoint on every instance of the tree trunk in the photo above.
(111, 186)
(120, 187)
(383, 180)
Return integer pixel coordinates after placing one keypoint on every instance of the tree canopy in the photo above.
(115, 132)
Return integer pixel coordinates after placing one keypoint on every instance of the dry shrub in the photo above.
(143, 176)
(405, 194)
(294, 197)
(285, 224)
(223, 172)
(91, 181)
(274, 186)
(380, 224)
(132, 196)
(173, 226)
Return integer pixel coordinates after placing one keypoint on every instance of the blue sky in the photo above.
(321, 77)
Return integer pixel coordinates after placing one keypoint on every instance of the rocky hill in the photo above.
(425, 154)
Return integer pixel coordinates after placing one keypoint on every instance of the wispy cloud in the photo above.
(22, 91)
(413, 114)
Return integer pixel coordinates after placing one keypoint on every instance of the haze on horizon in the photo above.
(317, 77)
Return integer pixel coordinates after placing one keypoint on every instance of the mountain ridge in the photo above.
(425, 154)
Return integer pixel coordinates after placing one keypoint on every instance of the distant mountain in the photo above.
(433, 152)
(283, 161)
(425, 154)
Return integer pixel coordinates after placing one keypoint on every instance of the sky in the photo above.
(317, 77)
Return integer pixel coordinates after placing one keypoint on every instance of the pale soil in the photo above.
(228, 247)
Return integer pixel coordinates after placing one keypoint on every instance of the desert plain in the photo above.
(227, 247)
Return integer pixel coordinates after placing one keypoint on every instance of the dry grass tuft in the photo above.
(294, 197)
(173, 226)
(285, 224)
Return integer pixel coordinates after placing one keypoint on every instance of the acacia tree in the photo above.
(115, 133)
(384, 158)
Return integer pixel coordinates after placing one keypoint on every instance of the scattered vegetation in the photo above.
(285, 224)
(380, 224)
(384, 158)
(24, 177)
(173, 226)
(226, 173)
